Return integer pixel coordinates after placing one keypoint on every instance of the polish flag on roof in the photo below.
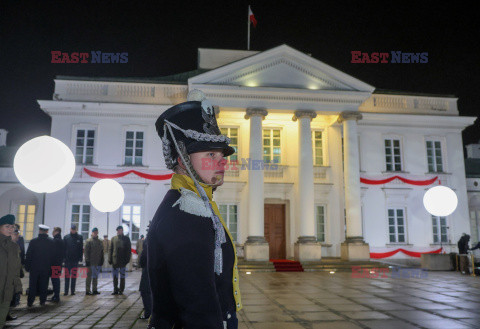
(251, 16)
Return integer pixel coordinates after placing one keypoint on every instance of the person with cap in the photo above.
(10, 266)
(39, 261)
(139, 248)
(94, 261)
(119, 256)
(73, 255)
(192, 263)
(59, 255)
(21, 244)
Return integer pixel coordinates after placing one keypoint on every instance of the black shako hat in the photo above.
(195, 129)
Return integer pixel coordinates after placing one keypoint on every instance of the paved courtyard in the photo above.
(313, 300)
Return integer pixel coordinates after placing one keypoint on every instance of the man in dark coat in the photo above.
(192, 264)
(144, 288)
(59, 255)
(73, 255)
(463, 244)
(119, 256)
(39, 261)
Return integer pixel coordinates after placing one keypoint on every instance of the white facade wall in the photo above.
(109, 153)
(281, 81)
(377, 199)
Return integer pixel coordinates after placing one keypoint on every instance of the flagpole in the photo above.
(248, 25)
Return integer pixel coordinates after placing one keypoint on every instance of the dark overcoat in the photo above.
(186, 291)
(73, 248)
(40, 255)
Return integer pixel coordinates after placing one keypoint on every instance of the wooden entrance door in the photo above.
(274, 222)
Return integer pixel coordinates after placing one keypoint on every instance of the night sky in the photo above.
(162, 38)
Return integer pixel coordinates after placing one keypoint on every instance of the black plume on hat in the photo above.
(195, 128)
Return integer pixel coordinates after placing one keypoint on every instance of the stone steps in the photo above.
(326, 265)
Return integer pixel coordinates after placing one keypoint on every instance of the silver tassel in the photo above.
(218, 260)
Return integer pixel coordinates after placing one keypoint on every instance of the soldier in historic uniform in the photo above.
(10, 267)
(93, 261)
(119, 256)
(192, 263)
(39, 261)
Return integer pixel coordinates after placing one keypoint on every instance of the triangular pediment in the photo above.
(281, 67)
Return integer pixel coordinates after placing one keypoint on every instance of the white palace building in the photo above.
(346, 165)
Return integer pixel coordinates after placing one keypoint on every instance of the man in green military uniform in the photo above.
(93, 261)
(119, 256)
(10, 266)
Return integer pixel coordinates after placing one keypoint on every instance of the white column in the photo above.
(305, 174)
(256, 247)
(354, 248)
(306, 248)
(255, 177)
(352, 174)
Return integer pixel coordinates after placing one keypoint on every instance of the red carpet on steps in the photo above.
(285, 265)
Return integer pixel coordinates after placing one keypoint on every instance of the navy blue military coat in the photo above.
(186, 292)
(40, 254)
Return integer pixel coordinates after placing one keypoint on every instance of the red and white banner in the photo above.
(405, 180)
(410, 253)
(96, 174)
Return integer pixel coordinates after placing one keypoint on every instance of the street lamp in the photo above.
(44, 164)
(440, 201)
(107, 195)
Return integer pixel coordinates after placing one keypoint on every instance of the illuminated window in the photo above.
(134, 148)
(131, 219)
(396, 225)
(85, 141)
(81, 218)
(317, 148)
(232, 133)
(229, 215)
(26, 220)
(439, 227)
(320, 223)
(393, 155)
(271, 146)
(434, 156)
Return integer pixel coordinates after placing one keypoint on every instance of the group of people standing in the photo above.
(190, 277)
(54, 258)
